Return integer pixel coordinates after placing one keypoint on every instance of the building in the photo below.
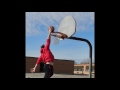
(60, 66)
(83, 68)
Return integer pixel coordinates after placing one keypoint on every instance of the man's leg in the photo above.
(51, 70)
(47, 71)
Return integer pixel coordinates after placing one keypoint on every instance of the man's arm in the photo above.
(38, 62)
(48, 38)
(35, 66)
(49, 35)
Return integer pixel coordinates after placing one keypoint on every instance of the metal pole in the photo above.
(90, 52)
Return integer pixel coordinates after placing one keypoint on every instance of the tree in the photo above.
(75, 62)
(86, 61)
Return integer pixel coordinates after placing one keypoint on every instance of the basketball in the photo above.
(52, 28)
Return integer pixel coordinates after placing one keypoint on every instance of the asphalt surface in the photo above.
(41, 75)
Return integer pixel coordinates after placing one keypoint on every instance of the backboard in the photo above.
(67, 26)
(66, 29)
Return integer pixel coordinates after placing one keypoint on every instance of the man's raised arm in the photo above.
(50, 30)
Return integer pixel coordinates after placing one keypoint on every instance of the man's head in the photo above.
(41, 50)
(42, 46)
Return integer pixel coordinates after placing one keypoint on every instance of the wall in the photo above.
(30, 63)
(64, 66)
(60, 66)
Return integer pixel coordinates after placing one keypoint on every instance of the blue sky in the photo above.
(37, 24)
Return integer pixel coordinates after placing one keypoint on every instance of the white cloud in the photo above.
(35, 21)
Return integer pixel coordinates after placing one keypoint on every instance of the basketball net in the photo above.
(55, 40)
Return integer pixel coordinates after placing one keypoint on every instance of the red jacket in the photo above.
(46, 54)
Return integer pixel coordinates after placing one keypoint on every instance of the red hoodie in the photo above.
(46, 54)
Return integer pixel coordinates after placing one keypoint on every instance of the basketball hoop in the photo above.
(56, 36)
(66, 29)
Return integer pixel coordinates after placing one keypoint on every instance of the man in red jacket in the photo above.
(46, 56)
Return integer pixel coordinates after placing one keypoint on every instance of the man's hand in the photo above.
(32, 70)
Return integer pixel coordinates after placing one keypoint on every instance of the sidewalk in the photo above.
(41, 75)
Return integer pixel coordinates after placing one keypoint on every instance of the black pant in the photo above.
(48, 70)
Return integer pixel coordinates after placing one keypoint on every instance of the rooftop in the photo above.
(55, 59)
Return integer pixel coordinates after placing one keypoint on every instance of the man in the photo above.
(46, 56)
